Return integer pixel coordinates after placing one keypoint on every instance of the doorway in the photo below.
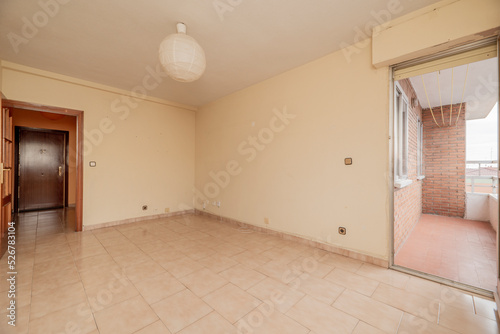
(77, 154)
(42, 177)
(441, 229)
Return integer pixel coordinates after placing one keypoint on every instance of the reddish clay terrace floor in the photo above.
(454, 248)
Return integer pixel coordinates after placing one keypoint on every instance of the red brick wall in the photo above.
(444, 156)
(408, 200)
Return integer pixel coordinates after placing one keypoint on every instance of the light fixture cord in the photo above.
(451, 101)
(463, 93)
(440, 99)
(430, 108)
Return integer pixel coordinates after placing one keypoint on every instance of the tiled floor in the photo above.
(192, 274)
(454, 248)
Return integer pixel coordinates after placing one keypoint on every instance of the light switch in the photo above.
(92, 164)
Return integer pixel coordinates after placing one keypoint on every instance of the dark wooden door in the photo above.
(6, 147)
(41, 169)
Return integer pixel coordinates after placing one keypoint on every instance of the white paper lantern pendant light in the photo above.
(181, 56)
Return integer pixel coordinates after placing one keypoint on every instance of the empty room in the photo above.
(250, 167)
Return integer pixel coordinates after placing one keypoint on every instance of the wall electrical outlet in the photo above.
(342, 230)
(167, 210)
(266, 221)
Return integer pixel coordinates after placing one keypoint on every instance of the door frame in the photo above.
(480, 291)
(79, 146)
(17, 131)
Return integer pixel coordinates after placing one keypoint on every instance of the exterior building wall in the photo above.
(408, 200)
(444, 152)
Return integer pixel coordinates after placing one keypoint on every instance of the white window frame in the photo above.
(401, 133)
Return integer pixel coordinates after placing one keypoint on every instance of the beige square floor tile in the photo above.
(321, 289)
(227, 249)
(203, 282)
(76, 319)
(89, 241)
(280, 295)
(166, 255)
(361, 284)
(152, 246)
(83, 252)
(195, 235)
(372, 312)
(183, 244)
(122, 247)
(131, 258)
(384, 275)
(93, 262)
(51, 251)
(251, 259)
(465, 322)
(321, 318)
(125, 317)
(231, 302)
(456, 298)
(159, 287)
(217, 263)
(110, 293)
(261, 321)
(101, 275)
(155, 328)
(342, 262)
(197, 252)
(411, 324)
(445, 294)
(210, 324)
(280, 270)
(54, 265)
(364, 328)
(182, 267)
(242, 276)
(23, 277)
(50, 280)
(140, 271)
(23, 297)
(312, 266)
(485, 307)
(281, 255)
(181, 310)
(57, 299)
(80, 237)
(21, 323)
(408, 301)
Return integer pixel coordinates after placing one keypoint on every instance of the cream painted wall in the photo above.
(298, 179)
(146, 157)
(341, 105)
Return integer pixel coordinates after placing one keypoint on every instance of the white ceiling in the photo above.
(113, 42)
(481, 87)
